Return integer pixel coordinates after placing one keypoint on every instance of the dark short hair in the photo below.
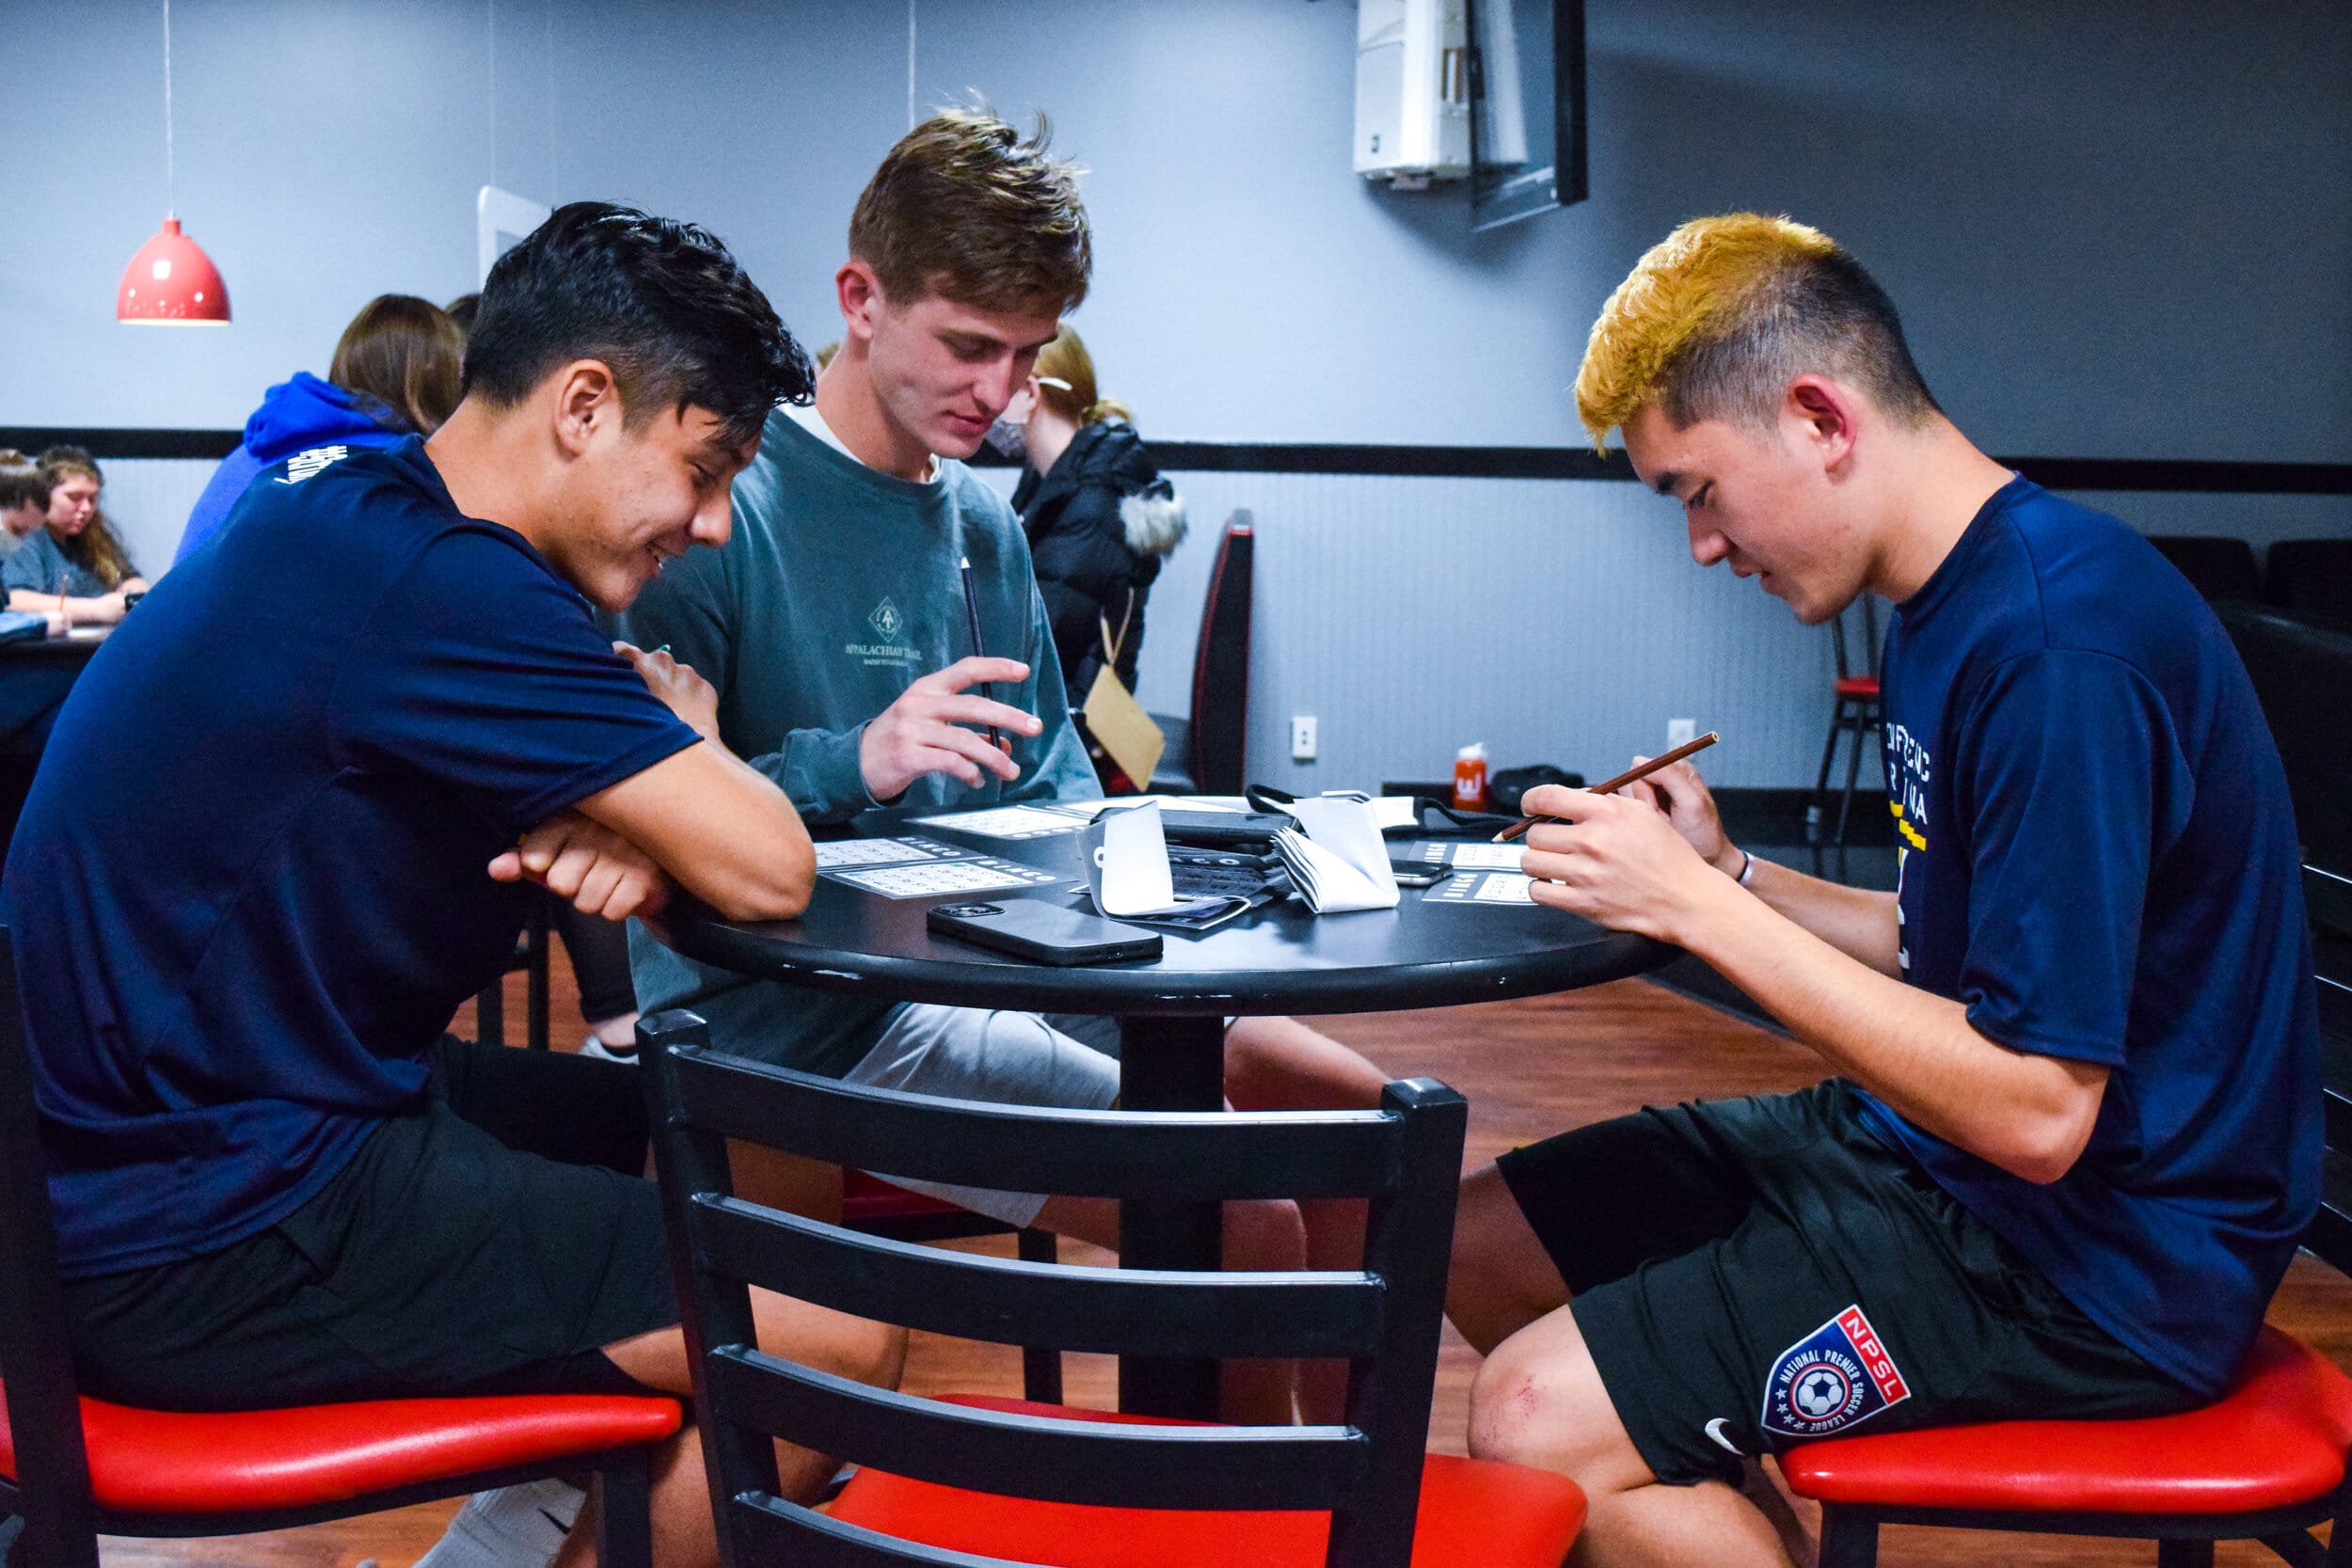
(659, 302)
(22, 482)
(963, 208)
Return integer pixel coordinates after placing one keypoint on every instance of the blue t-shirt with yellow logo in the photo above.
(2099, 860)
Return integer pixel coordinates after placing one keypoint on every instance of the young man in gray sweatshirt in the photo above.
(834, 625)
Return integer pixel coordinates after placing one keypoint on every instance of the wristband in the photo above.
(1747, 868)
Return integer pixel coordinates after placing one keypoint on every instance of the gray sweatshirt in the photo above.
(837, 589)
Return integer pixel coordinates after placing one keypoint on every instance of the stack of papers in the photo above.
(1127, 872)
(1339, 862)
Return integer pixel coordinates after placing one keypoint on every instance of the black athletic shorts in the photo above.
(1754, 1274)
(489, 1243)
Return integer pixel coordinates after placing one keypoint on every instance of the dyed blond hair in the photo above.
(1066, 360)
(1721, 314)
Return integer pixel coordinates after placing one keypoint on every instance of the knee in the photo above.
(869, 1352)
(1529, 1407)
(1264, 1234)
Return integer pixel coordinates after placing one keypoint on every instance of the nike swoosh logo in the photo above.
(1715, 1431)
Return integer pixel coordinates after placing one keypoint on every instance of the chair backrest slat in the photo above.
(43, 1403)
(1108, 1311)
(1082, 1153)
(1215, 1467)
(773, 1530)
(1384, 1319)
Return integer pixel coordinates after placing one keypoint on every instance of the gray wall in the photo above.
(2116, 232)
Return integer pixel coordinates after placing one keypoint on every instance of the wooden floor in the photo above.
(1529, 1069)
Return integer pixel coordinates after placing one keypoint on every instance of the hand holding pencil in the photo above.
(1630, 776)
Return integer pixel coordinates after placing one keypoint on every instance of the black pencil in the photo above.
(972, 610)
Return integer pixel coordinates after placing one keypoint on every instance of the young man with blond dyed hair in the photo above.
(2075, 1130)
(835, 626)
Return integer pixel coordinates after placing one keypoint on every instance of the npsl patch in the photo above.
(1833, 1377)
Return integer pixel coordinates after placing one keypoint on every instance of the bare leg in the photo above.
(1279, 1064)
(1539, 1401)
(1260, 1235)
(1500, 1278)
(871, 1352)
(774, 1179)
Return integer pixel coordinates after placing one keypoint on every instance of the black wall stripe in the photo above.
(1580, 463)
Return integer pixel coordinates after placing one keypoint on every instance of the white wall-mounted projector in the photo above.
(1412, 91)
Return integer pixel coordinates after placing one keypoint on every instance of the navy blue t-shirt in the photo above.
(248, 889)
(2099, 860)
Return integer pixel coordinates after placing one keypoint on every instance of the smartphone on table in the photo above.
(1042, 932)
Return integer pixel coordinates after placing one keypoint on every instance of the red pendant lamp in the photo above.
(171, 282)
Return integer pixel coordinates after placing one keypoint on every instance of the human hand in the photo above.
(695, 700)
(1678, 791)
(599, 871)
(1615, 860)
(928, 729)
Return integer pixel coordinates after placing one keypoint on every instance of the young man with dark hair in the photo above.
(2076, 1131)
(24, 501)
(835, 621)
(266, 859)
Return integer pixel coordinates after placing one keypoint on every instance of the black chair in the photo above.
(2218, 568)
(1206, 750)
(1001, 1477)
(2313, 577)
(2301, 669)
(1855, 710)
(530, 956)
(73, 1467)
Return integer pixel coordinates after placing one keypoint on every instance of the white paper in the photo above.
(882, 851)
(1488, 857)
(1484, 887)
(1339, 863)
(930, 878)
(1008, 821)
(1093, 809)
(1396, 811)
(1135, 876)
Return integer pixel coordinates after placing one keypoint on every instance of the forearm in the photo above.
(1914, 1050)
(719, 829)
(108, 609)
(1857, 921)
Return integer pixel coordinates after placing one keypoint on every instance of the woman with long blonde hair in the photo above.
(1099, 514)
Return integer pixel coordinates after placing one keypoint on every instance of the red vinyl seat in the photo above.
(2278, 1437)
(867, 1199)
(1474, 1513)
(165, 1462)
(1862, 687)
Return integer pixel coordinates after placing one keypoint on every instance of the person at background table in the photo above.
(75, 566)
(24, 500)
(2074, 1131)
(835, 623)
(308, 839)
(394, 374)
(1098, 516)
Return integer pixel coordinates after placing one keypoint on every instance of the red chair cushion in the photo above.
(865, 1198)
(159, 1462)
(1858, 686)
(1474, 1513)
(2277, 1437)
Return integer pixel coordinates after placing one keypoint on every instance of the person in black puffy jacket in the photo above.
(1099, 515)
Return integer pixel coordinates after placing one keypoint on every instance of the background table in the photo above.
(1425, 953)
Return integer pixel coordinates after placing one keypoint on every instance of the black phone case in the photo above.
(1043, 933)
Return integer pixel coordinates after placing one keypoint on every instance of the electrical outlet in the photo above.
(1682, 732)
(1302, 737)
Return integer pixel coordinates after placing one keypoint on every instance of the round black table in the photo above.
(1427, 952)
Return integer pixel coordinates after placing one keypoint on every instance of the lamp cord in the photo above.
(171, 178)
(909, 65)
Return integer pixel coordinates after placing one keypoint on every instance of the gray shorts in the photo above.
(1002, 1057)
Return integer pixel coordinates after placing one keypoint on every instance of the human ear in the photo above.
(1824, 413)
(860, 297)
(586, 399)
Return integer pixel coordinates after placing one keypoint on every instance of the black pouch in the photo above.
(1505, 788)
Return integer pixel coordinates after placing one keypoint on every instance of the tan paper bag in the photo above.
(1114, 716)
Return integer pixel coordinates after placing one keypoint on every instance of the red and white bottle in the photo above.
(1470, 778)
